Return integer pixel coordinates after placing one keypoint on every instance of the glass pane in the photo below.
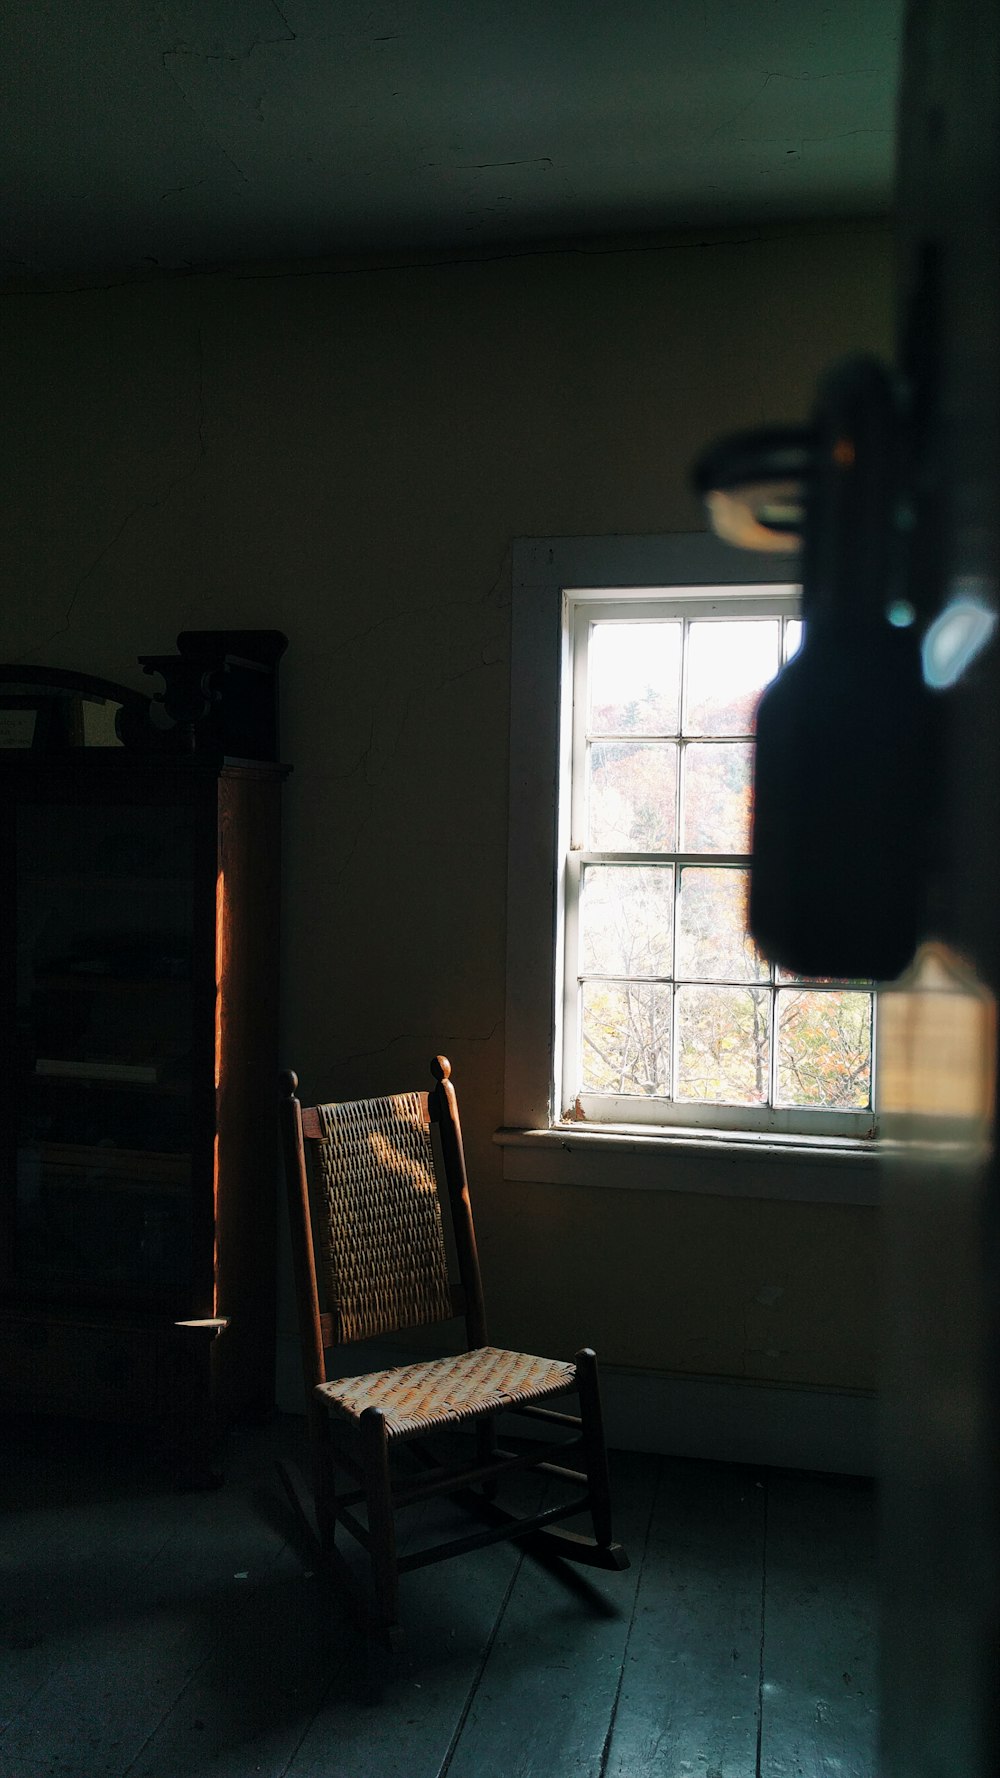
(717, 796)
(632, 796)
(728, 666)
(824, 1049)
(723, 1045)
(712, 938)
(626, 1039)
(626, 919)
(635, 678)
(793, 637)
(107, 1222)
(100, 717)
(104, 946)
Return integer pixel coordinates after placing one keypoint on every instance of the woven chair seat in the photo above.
(442, 1391)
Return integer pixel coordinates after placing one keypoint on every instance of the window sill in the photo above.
(717, 1163)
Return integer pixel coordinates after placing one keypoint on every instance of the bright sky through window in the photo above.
(623, 654)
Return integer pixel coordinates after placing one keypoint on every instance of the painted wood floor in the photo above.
(155, 1634)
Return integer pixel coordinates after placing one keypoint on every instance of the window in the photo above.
(635, 995)
(670, 1014)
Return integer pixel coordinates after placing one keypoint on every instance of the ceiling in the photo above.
(171, 134)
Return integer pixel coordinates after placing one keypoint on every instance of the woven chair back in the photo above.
(381, 1241)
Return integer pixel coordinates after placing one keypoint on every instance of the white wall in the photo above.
(346, 455)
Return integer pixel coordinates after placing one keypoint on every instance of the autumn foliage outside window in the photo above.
(669, 1012)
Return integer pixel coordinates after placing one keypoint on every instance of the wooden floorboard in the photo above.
(819, 1705)
(126, 1617)
(245, 1703)
(68, 1527)
(151, 1634)
(545, 1702)
(689, 1697)
(449, 1616)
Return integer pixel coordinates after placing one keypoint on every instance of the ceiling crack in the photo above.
(172, 190)
(536, 160)
(292, 35)
(833, 74)
(194, 113)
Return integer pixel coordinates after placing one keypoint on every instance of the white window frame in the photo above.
(537, 1143)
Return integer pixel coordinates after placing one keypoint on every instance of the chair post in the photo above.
(307, 1306)
(300, 1228)
(592, 1430)
(445, 1110)
(324, 1478)
(381, 1525)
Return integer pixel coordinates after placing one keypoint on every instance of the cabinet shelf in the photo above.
(132, 1162)
(92, 982)
(106, 881)
(83, 1180)
(170, 1089)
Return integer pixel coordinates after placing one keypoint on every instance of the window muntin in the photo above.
(668, 1013)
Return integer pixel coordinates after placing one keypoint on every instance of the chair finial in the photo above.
(441, 1068)
(288, 1083)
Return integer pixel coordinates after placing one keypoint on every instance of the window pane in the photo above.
(626, 919)
(635, 672)
(717, 793)
(626, 1039)
(632, 799)
(728, 666)
(793, 637)
(712, 938)
(824, 1049)
(723, 1045)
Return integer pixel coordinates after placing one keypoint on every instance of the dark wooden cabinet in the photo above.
(138, 1021)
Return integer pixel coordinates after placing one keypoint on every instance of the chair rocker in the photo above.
(372, 1180)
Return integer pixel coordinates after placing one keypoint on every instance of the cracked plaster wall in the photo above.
(346, 456)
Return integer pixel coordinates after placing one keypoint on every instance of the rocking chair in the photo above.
(382, 1257)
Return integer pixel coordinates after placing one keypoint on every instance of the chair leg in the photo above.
(381, 1524)
(486, 1451)
(324, 1479)
(595, 1451)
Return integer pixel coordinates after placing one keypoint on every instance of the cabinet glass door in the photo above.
(104, 965)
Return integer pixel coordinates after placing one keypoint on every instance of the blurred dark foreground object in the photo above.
(846, 758)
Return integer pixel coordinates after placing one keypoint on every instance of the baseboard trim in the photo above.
(731, 1420)
(719, 1419)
